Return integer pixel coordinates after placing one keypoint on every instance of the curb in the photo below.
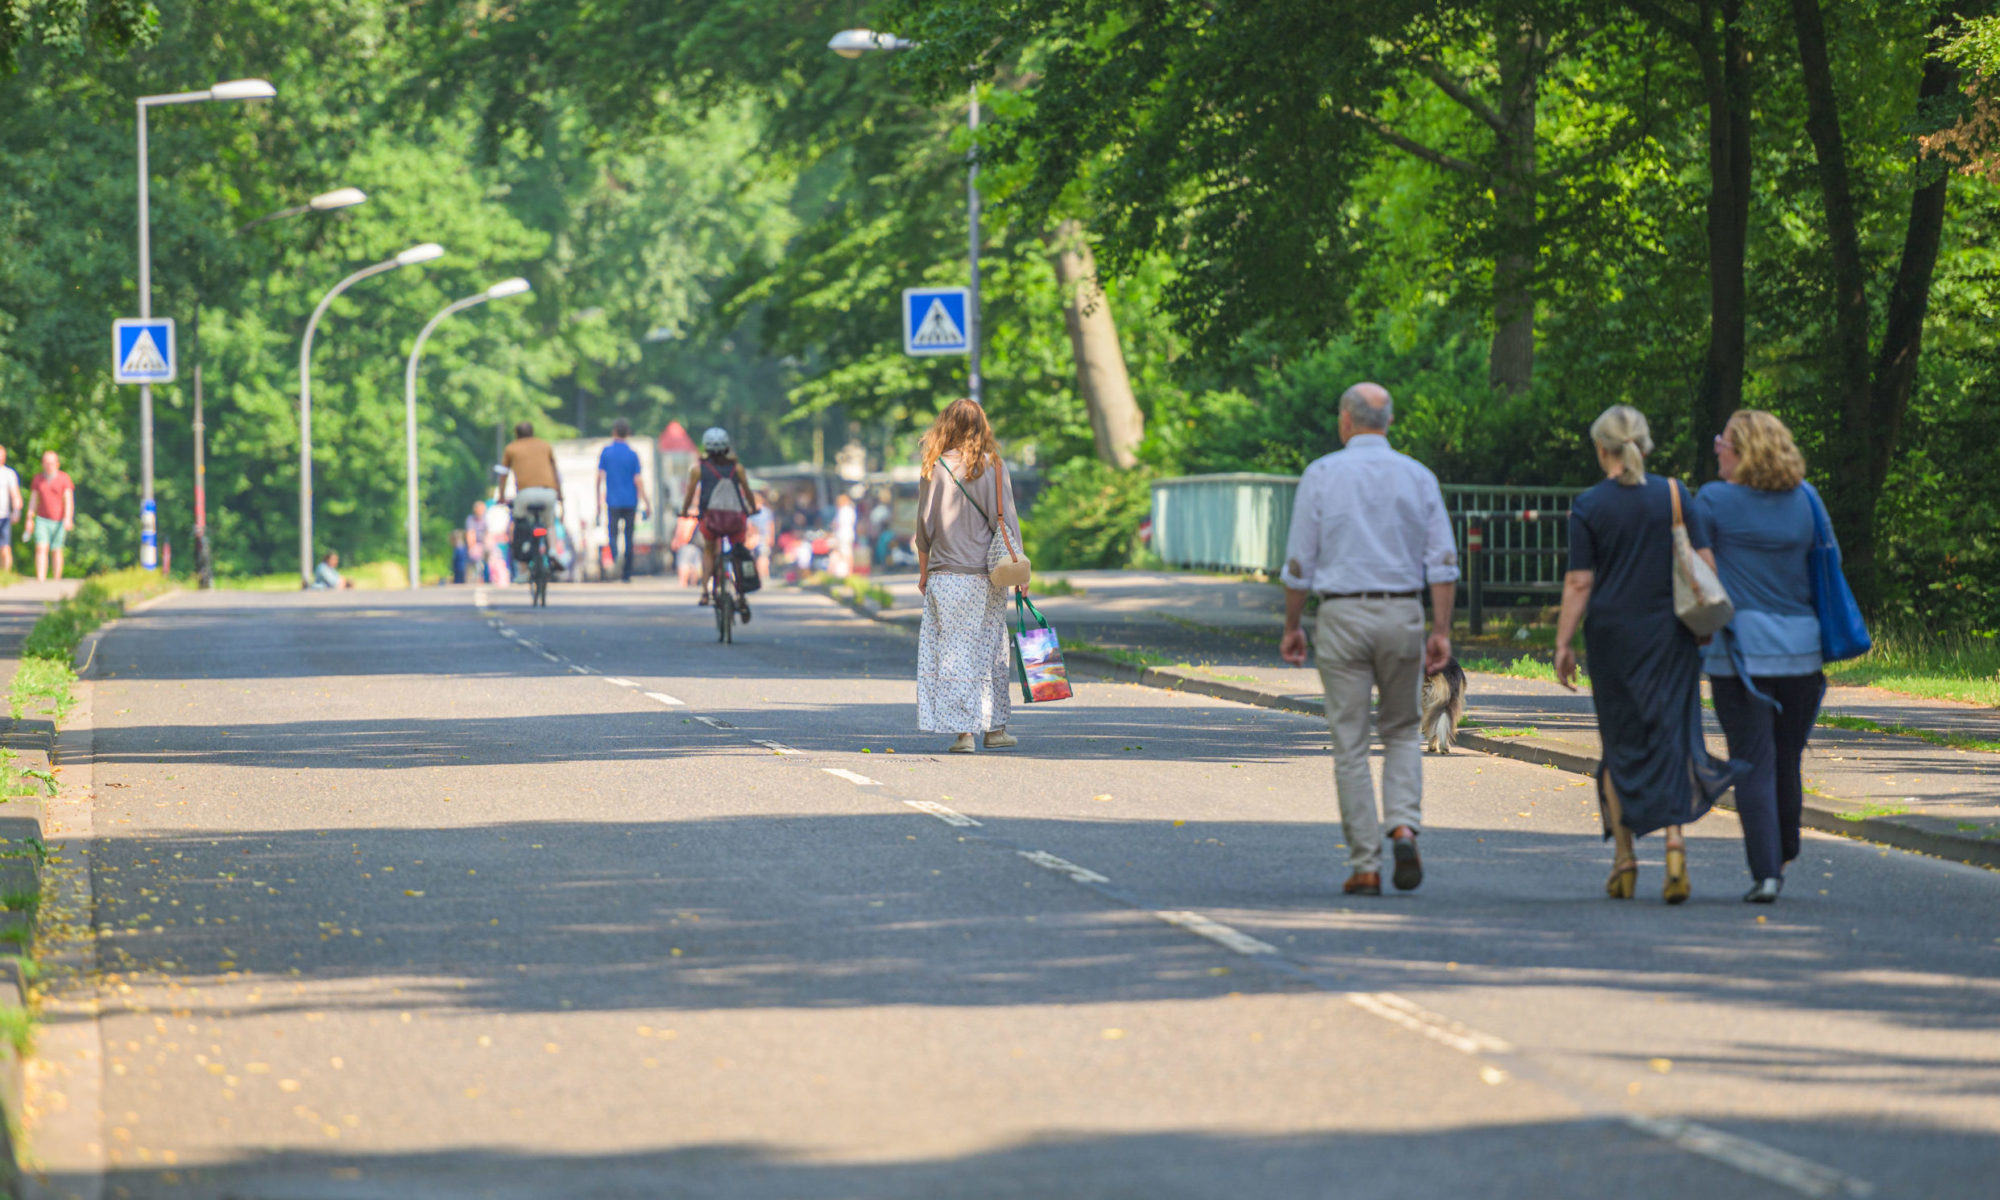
(1880, 830)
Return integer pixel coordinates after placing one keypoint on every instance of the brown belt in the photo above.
(1370, 595)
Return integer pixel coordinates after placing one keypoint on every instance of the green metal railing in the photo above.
(1512, 540)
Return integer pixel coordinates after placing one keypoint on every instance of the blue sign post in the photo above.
(142, 350)
(935, 321)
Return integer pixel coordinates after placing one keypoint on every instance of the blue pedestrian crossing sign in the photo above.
(142, 350)
(935, 322)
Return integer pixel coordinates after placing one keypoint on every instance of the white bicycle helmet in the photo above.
(715, 441)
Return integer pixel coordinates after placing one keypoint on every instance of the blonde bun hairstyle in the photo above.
(1621, 431)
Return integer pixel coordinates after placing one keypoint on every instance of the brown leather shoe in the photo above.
(1363, 883)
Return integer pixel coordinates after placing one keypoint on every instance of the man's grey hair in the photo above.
(1368, 406)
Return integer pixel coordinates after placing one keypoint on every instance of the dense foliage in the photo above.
(1512, 212)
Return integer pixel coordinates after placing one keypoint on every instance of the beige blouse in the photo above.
(955, 535)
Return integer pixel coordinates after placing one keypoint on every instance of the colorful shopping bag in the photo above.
(684, 528)
(1038, 659)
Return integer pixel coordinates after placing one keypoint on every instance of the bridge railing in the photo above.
(1512, 540)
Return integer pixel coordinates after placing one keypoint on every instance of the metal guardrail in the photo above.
(1512, 540)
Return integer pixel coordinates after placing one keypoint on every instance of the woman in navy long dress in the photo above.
(1645, 666)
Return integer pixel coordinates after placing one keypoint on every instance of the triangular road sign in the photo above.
(937, 328)
(145, 358)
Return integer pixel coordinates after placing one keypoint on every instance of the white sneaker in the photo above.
(963, 745)
(1000, 739)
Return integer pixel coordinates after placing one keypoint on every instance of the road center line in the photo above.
(579, 670)
(774, 747)
(620, 681)
(949, 816)
(712, 723)
(1752, 1158)
(1215, 931)
(670, 702)
(551, 657)
(851, 777)
(1417, 1019)
(1063, 866)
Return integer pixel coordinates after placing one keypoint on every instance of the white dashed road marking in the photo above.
(1215, 931)
(550, 657)
(774, 747)
(1751, 1158)
(849, 776)
(949, 816)
(1398, 1011)
(670, 702)
(619, 681)
(579, 670)
(1063, 866)
(712, 723)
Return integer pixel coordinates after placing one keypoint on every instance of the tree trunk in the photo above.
(1725, 73)
(1511, 362)
(1872, 392)
(1115, 419)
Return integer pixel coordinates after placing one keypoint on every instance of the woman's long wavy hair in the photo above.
(962, 426)
(1768, 458)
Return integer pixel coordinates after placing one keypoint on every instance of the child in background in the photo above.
(460, 559)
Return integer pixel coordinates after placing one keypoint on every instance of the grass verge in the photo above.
(1963, 666)
(1955, 741)
(43, 684)
(1519, 668)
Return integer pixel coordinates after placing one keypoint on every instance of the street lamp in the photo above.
(232, 89)
(422, 253)
(853, 43)
(204, 566)
(506, 287)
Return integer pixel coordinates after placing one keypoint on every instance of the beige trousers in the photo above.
(1364, 646)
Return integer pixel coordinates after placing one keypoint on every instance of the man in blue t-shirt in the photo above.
(618, 492)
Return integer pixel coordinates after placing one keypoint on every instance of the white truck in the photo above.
(576, 460)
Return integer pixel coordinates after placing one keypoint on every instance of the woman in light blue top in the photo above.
(1764, 668)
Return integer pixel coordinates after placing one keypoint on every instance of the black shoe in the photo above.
(743, 610)
(1766, 891)
(1409, 868)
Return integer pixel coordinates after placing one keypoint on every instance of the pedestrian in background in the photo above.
(1369, 532)
(475, 540)
(499, 535)
(1765, 667)
(10, 509)
(459, 559)
(1645, 667)
(845, 516)
(52, 511)
(619, 496)
(764, 528)
(962, 658)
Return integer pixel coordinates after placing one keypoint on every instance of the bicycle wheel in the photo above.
(725, 607)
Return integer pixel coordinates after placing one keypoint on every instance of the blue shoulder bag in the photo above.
(1842, 633)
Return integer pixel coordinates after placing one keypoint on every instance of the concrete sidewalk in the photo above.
(1221, 638)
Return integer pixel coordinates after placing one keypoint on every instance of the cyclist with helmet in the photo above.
(718, 492)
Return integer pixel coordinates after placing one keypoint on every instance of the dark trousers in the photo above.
(1771, 797)
(626, 516)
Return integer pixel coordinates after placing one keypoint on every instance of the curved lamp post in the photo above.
(231, 89)
(324, 202)
(506, 287)
(853, 43)
(424, 252)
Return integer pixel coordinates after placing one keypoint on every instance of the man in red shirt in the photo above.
(52, 512)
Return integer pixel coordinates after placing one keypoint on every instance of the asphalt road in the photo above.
(403, 897)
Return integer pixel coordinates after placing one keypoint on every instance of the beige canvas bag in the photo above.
(1699, 600)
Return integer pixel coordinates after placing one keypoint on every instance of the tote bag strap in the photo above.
(1674, 491)
(1000, 506)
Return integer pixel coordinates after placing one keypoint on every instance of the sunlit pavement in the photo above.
(400, 895)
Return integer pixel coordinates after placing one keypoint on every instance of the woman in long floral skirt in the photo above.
(962, 657)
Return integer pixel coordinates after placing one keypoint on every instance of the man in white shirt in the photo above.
(10, 510)
(1369, 532)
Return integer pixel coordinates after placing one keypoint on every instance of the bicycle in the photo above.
(541, 566)
(731, 586)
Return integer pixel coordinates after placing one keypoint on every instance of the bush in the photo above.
(1088, 517)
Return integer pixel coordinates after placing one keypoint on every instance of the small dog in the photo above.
(1444, 707)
